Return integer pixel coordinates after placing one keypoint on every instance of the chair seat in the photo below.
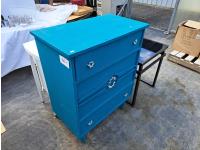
(145, 55)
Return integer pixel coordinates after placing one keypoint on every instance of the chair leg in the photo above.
(134, 94)
(157, 71)
(138, 79)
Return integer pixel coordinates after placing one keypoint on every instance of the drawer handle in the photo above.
(90, 64)
(90, 122)
(112, 82)
(126, 94)
(135, 42)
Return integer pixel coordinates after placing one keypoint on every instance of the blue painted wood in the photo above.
(82, 97)
(117, 69)
(61, 86)
(78, 37)
(103, 59)
(44, 1)
(98, 99)
(116, 101)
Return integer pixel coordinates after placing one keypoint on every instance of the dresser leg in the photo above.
(83, 139)
(121, 106)
(55, 116)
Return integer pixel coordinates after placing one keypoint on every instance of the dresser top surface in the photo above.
(77, 37)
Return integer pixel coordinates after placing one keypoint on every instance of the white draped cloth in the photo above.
(13, 55)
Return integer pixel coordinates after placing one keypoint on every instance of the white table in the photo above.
(36, 67)
(13, 55)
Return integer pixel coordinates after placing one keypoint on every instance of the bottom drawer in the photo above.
(99, 115)
(95, 101)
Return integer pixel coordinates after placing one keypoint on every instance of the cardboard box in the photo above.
(187, 38)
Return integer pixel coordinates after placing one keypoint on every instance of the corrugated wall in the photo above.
(159, 3)
(187, 10)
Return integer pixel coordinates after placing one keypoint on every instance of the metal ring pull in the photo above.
(90, 122)
(112, 82)
(126, 94)
(135, 41)
(91, 64)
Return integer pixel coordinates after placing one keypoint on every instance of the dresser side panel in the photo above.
(59, 76)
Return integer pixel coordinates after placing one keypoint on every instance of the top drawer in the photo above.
(95, 61)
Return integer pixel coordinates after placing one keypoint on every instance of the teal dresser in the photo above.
(89, 67)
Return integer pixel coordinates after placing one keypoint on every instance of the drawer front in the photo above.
(113, 86)
(95, 61)
(97, 82)
(106, 109)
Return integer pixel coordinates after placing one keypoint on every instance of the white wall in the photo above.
(162, 3)
(187, 10)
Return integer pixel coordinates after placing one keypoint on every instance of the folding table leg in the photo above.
(36, 78)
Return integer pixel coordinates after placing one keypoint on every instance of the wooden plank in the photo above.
(174, 52)
(73, 17)
(3, 129)
(189, 58)
(83, 10)
(180, 54)
(197, 62)
(184, 63)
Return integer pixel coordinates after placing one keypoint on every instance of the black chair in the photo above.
(151, 53)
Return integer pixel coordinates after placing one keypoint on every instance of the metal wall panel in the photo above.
(187, 10)
(160, 3)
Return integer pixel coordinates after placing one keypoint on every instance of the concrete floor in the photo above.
(158, 17)
(166, 117)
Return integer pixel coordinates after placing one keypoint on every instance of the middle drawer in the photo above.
(102, 57)
(95, 83)
(112, 87)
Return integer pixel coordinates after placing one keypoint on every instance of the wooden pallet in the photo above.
(3, 129)
(185, 60)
